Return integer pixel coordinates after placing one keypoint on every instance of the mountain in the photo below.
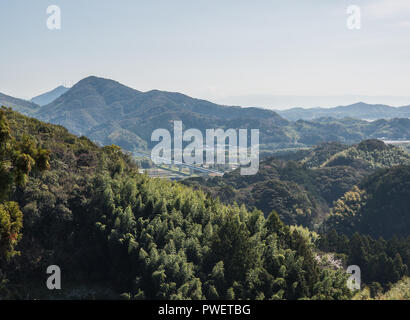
(50, 96)
(103, 109)
(378, 206)
(369, 155)
(109, 112)
(20, 105)
(359, 110)
(349, 130)
(313, 157)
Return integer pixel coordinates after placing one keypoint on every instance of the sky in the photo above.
(267, 53)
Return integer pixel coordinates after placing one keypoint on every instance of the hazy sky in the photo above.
(254, 52)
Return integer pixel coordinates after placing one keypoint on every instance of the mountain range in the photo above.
(358, 110)
(110, 113)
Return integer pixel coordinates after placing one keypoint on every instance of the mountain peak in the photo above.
(103, 85)
(360, 103)
(93, 79)
(49, 96)
(96, 106)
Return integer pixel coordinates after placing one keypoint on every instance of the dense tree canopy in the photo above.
(108, 226)
(379, 206)
(17, 159)
(118, 233)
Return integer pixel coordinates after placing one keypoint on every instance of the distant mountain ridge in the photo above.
(358, 110)
(20, 105)
(109, 112)
(49, 96)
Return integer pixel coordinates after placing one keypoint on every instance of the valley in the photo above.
(253, 154)
(327, 194)
(111, 113)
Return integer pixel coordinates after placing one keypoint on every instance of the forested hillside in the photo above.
(366, 155)
(20, 105)
(114, 231)
(370, 226)
(400, 291)
(119, 234)
(369, 155)
(300, 195)
(304, 189)
(379, 206)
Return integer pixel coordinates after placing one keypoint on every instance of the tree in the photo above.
(17, 159)
(11, 221)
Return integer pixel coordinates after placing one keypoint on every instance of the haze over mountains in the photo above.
(111, 113)
(20, 105)
(50, 96)
(358, 110)
(96, 196)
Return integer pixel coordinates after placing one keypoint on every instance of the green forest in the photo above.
(288, 232)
